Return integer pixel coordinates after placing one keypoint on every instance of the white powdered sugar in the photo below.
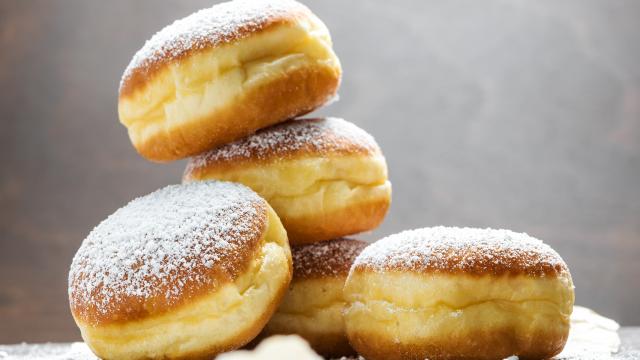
(162, 242)
(210, 27)
(452, 249)
(310, 135)
(326, 258)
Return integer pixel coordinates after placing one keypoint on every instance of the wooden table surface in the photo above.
(629, 349)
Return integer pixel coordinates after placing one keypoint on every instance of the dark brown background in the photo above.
(516, 114)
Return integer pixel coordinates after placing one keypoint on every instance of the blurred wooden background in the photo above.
(516, 114)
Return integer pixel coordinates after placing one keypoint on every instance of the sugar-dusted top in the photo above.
(305, 136)
(327, 258)
(163, 248)
(208, 28)
(462, 250)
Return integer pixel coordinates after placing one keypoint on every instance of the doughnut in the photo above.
(186, 272)
(224, 72)
(458, 293)
(313, 306)
(325, 178)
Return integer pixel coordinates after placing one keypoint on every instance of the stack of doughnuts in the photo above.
(197, 269)
(256, 241)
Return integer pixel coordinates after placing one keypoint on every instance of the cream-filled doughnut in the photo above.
(188, 271)
(326, 178)
(224, 72)
(458, 293)
(313, 306)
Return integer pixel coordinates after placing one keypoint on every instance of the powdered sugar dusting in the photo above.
(207, 28)
(165, 243)
(318, 136)
(327, 258)
(468, 250)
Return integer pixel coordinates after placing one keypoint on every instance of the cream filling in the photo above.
(197, 86)
(311, 186)
(311, 306)
(325, 320)
(212, 321)
(408, 307)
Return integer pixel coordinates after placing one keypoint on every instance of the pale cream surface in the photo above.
(195, 87)
(408, 307)
(312, 306)
(302, 187)
(208, 322)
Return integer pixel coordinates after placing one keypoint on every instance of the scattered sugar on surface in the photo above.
(47, 351)
(327, 258)
(451, 249)
(161, 239)
(312, 135)
(209, 27)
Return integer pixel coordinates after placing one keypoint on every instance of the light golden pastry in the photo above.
(326, 178)
(313, 306)
(186, 272)
(458, 293)
(224, 72)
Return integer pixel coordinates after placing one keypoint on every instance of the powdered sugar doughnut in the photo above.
(187, 271)
(326, 178)
(313, 306)
(224, 72)
(458, 293)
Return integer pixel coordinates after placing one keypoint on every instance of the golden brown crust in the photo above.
(305, 165)
(462, 251)
(205, 30)
(480, 345)
(313, 307)
(244, 337)
(313, 310)
(292, 139)
(136, 265)
(353, 219)
(458, 293)
(130, 307)
(191, 331)
(299, 92)
(325, 259)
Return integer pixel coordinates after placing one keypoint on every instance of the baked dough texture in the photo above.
(326, 178)
(313, 306)
(186, 272)
(224, 72)
(452, 293)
